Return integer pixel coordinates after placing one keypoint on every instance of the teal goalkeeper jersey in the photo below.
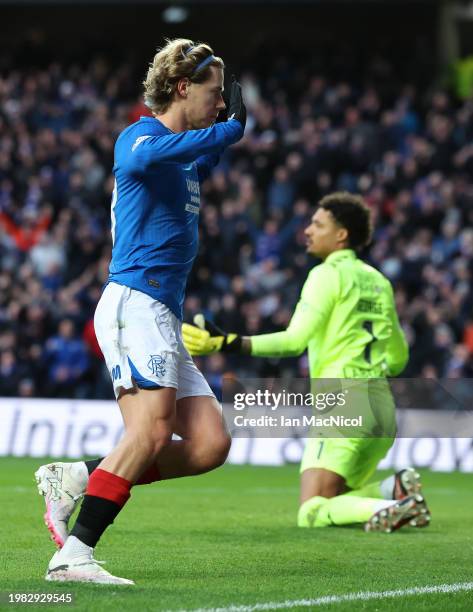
(347, 319)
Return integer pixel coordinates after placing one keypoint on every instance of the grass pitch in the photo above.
(229, 539)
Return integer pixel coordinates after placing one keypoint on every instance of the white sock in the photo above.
(384, 503)
(73, 548)
(387, 487)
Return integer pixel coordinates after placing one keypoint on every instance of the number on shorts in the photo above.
(116, 373)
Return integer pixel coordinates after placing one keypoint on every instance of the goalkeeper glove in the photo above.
(205, 338)
(236, 108)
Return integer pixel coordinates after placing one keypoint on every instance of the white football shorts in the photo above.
(141, 341)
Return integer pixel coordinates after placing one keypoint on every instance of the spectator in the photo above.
(67, 361)
(307, 134)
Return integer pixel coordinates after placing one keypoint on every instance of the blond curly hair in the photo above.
(178, 59)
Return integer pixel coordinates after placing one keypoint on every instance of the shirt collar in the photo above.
(341, 254)
(154, 121)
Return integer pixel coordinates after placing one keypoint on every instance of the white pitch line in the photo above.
(333, 599)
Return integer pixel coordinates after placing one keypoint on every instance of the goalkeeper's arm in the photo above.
(312, 312)
(397, 350)
(204, 338)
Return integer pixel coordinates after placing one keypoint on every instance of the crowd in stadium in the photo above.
(407, 151)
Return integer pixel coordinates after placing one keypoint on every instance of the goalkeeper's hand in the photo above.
(205, 338)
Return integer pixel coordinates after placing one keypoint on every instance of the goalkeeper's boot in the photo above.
(402, 512)
(81, 568)
(408, 482)
(62, 485)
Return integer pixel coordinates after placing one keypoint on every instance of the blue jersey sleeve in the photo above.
(184, 147)
(205, 163)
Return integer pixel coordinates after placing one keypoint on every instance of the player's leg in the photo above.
(355, 460)
(149, 416)
(138, 337)
(403, 483)
(322, 478)
(205, 440)
(330, 468)
(204, 446)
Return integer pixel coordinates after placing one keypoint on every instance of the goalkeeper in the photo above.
(347, 320)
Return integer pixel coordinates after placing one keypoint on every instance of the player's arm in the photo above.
(397, 350)
(188, 146)
(312, 312)
(184, 147)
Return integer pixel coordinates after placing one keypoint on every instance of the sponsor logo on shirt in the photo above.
(193, 186)
(192, 209)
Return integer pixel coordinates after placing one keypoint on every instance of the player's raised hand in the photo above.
(236, 108)
(205, 338)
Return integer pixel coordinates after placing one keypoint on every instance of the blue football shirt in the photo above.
(156, 202)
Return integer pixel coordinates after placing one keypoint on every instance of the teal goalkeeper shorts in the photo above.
(355, 459)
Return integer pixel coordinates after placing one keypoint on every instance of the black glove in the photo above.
(236, 108)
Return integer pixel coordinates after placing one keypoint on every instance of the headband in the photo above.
(203, 63)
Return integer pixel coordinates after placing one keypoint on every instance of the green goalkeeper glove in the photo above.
(205, 338)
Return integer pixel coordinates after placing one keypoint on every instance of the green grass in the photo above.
(229, 538)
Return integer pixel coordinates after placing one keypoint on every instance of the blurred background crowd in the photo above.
(408, 150)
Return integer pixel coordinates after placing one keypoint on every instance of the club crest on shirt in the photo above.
(156, 365)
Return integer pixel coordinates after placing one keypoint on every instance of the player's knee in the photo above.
(161, 436)
(213, 452)
(152, 439)
(222, 445)
(142, 445)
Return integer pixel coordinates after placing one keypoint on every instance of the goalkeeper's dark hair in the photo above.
(350, 212)
(179, 58)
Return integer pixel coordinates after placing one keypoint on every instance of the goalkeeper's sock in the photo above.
(373, 489)
(382, 489)
(387, 487)
(308, 512)
(339, 510)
